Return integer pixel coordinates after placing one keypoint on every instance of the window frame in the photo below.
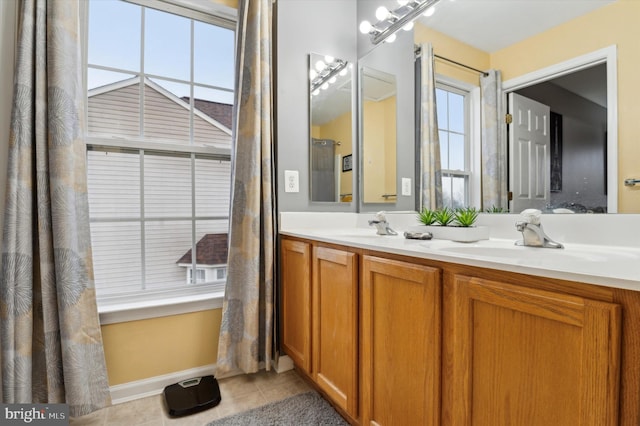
(473, 133)
(152, 303)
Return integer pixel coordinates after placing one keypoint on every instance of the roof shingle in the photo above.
(210, 250)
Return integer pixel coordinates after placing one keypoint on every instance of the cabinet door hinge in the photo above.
(508, 118)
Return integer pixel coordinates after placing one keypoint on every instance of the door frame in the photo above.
(608, 56)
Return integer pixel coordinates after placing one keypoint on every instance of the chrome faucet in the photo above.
(382, 225)
(532, 233)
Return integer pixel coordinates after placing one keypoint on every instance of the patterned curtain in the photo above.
(50, 333)
(246, 331)
(429, 141)
(494, 152)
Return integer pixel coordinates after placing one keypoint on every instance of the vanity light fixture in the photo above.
(389, 22)
(326, 72)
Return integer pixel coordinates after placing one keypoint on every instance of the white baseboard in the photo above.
(155, 385)
(284, 364)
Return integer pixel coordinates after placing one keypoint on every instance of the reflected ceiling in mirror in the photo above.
(330, 129)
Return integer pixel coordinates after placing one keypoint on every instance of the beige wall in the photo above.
(142, 349)
(454, 50)
(379, 154)
(614, 24)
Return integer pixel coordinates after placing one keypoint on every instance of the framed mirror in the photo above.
(379, 135)
(330, 129)
(386, 126)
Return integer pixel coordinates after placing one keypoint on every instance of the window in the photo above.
(454, 132)
(221, 273)
(199, 278)
(159, 101)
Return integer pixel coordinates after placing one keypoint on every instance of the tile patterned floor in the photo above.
(239, 393)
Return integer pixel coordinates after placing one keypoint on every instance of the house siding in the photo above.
(116, 199)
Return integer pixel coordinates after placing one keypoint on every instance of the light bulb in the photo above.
(320, 66)
(365, 27)
(430, 11)
(329, 59)
(408, 26)
(382, 13)
(332, 80)
(312, 74)
(316, 92)
(403, 2)
(391, 38)
(325, 86)
(343, 72)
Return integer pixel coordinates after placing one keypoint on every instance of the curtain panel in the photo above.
(493, 150)
(246, 332)
(431, 169)
(50, 333)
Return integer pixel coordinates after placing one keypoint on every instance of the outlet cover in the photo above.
(406, 186)
(291, 183)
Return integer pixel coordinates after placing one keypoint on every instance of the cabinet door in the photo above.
(529, 357)
(400, 343)
(335, 326)
(296, 301)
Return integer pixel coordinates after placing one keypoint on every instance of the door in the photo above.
(335, 326)
(401, 320)
(522, 356)
(296, 302)
(529, 154)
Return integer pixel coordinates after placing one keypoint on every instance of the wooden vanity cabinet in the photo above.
(400, 340)
(335, 326)
(295, 257)
(393, 340)
(320, 317)
(523, 356)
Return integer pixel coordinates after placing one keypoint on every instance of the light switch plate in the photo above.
(406, 186)
(291, 183)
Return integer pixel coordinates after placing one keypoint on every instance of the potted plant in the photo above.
(452, 224)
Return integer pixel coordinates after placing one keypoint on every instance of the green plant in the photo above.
(444, 216)
(466, 216)
(426, 216)
(496, 209)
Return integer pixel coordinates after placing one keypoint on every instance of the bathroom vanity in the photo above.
(397, 331)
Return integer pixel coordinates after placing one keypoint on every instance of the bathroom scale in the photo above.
(192, 396)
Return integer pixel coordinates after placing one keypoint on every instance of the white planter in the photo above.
(455, 233)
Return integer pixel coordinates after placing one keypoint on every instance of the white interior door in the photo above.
(529, 156)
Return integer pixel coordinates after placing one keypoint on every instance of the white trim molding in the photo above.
(155, 385)
(112, 313)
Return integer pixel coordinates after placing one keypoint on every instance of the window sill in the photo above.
(133, 311)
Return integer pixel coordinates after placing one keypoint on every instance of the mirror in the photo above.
(386, 116)
(378, 115)
(531, 38)
(454, 30)
(330, 129)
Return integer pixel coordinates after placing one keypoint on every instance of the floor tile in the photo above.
(239, 393)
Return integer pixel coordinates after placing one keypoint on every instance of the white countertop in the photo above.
(605, 265)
